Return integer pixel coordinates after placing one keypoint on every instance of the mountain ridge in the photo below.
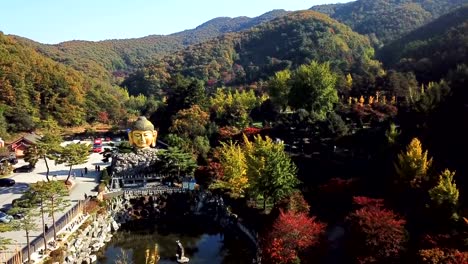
(124, 54)
(387, 20)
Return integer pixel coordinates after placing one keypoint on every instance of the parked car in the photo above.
(5, 218)
(24, 168)
(16, 215)
(97, 148)
(6, 182)
(12, 161)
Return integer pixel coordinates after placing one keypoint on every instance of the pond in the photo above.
(203, 242)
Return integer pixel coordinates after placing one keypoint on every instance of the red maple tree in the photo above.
(103, 117)
(376, 234)
(291, 233)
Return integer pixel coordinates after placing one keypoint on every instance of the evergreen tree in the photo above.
(71, 155)
(55, 199)
(31, 155)
(27, 223)
(176, 161)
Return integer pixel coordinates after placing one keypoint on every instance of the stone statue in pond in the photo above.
(181, 258)
(142, 135)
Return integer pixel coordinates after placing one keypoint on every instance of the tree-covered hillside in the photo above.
(34, 88)
(221, 25)
(432, 50)
(387, 20)
(256, 54)
(109, 59)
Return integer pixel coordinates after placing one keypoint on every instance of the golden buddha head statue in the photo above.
(142, 134)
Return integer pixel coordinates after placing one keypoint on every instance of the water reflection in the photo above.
(203, 243)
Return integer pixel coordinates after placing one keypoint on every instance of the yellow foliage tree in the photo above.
(233, 162)
(270, 170)
(445, 193)
(361, 101)
(412, 166)
(349, 81)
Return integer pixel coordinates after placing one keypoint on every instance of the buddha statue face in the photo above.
(143, 134)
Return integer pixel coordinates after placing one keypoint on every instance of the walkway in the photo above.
(86, 184)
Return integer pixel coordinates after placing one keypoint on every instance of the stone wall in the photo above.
(140, 162)
(90, 239)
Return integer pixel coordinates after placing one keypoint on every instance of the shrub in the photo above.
(57, 255)
(442, 256)
(101, 187)
(291, 234)
(376, 234)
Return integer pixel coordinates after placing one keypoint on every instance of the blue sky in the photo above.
(53, 21)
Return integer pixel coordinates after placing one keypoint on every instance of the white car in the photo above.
(4, 218)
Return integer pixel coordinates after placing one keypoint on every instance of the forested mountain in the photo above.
(98, 59)
(432, 50)
(221, 25)
(256, 54)
(34, 87)
(387, 20)
(295, 105)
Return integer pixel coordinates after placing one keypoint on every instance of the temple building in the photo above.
(20, 145)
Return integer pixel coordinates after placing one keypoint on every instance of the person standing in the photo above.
(74, 175)
(46, 228)
(86, 170)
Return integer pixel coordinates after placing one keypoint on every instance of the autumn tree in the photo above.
(413, 165)
(291, 234)
(73, 154)
(297, 203)
(190, 126)
(234, 166)
(376, 234)
(392, 134)
(278, 89)
(270, 171)
(233, 108)
(445, 194)
(190, 122)
(442, 256)
(313, 89)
